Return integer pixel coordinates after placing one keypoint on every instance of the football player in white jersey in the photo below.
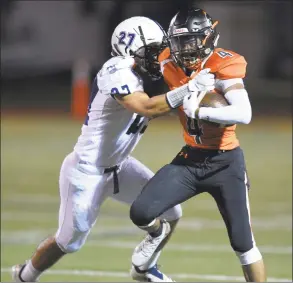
(100, 165)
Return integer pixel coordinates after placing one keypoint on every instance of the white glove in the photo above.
(203, 81)
(190, 105)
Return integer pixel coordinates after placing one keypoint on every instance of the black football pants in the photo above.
(222, 174)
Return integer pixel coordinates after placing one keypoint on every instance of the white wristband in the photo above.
(175, 97)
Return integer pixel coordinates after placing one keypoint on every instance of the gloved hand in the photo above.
(191, 105)
(203, 81)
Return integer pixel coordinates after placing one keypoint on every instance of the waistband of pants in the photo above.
(207, 151)
(90, 169)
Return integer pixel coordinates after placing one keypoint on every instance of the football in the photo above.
(214, 100)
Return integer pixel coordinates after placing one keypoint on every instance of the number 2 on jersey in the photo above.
(194, 129)
(115, 90)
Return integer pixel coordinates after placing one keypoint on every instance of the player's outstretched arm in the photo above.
(139, 102)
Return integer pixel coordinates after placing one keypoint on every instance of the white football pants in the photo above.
(82, 195)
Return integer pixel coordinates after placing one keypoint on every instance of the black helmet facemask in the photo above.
(147, 59)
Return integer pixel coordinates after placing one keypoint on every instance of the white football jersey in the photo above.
(110, 131)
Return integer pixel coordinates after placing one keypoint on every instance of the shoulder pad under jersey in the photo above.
(226, 64)
(117, 77)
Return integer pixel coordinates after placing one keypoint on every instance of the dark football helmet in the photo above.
(192, 37)
(147, 59)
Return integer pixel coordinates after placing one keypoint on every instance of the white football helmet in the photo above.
(143, 39)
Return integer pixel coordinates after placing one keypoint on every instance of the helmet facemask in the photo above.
(190, 49)
(146, 58)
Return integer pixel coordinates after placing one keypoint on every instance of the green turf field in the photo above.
(32, 150)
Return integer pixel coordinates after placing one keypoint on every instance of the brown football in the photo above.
(214, 100)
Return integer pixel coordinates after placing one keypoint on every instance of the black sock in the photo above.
(158, 232)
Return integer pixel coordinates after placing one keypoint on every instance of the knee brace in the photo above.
(249, 257)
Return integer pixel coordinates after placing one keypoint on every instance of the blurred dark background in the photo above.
(41, 41)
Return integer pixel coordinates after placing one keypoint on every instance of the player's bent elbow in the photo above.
(245, 116)
(246, 120)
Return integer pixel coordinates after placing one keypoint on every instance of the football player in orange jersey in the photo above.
(211, 161)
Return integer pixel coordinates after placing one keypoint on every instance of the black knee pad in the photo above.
(140, 215)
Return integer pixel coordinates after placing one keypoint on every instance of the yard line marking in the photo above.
(96, 273)
(201, 204)
(18, 216)
(31, 198)
(278, 222)
(34, 236)
(191, 248)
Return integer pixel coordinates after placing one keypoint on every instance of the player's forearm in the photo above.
(156, 106)
(238, 112)
(139, 102)
(225, 115)
(164, 103)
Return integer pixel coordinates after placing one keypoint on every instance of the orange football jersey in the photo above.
(224, 64)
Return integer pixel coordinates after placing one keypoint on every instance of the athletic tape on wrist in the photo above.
(175, 97)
